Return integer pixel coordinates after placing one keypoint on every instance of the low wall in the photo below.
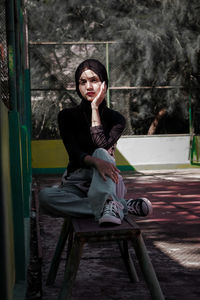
(50, 156)
(155, 150)
(133, 152)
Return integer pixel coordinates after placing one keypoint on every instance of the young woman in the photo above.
(92, 184)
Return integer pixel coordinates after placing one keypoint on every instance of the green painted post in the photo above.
(20, 143)
(11, 54)
(107, 68)
(190, 115)
(197, 148)
(26, 87)
(27, 98)
(25, 168)
(21, 55)
(19, 51)
(192, 142)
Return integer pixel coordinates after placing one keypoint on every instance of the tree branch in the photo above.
(154, 124)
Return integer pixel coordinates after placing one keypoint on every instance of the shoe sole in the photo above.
(109, 219)
(149, 206)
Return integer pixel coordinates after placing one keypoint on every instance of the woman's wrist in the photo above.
(96, 121)
(90, 160)
(94, 106)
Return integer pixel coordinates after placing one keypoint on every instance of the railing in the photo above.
(54, 80)
(15, 142)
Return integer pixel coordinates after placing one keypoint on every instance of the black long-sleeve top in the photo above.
(80, 139)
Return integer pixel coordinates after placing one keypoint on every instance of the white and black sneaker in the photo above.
(112, 213)
(139, 207)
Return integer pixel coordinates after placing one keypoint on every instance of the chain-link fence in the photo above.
(53, 88)
(52, 81)
(4, 93)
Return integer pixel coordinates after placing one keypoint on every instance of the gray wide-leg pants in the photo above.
(73, 199)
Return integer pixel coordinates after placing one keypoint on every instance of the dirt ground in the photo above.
(171, 236)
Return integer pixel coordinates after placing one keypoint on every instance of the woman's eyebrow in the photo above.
(82, 79)
(88, 77)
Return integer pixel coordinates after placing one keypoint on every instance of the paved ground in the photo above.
(171, 235)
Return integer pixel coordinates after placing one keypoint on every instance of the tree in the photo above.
(157, 45)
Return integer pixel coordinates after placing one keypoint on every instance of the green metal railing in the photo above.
(39, 48)
(16, 173)
(195, 150)
(20, 127)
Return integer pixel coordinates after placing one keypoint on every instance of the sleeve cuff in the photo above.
(96, 129)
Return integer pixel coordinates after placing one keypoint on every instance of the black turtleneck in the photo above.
(80, 139)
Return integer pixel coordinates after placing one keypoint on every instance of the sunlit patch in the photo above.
(162, 195)
(191, 196)
(184, 202)
(186, 254)
(162, 192)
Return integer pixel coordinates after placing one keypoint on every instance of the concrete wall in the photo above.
(50, 156)
(157, 150)
(139, 152)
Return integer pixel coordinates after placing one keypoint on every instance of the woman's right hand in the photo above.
(101, 95)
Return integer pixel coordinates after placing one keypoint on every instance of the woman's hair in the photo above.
(95, 66)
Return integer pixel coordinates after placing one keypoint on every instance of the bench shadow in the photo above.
(171, 237)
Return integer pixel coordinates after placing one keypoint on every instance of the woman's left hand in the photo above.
(101, 95)
(106, 168)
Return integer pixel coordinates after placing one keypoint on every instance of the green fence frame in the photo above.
(18, 170)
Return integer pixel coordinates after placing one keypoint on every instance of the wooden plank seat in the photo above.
(79, 231)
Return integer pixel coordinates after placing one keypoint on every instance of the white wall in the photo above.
(155, 149)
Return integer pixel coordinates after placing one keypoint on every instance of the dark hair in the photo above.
(94, 65)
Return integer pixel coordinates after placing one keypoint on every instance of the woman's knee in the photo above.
(103, 154)
(43, 196)
(47, 195)
(99, 151)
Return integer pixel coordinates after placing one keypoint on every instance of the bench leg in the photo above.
(59, 248)
(71, 269)
(70, 241)
(123, 246)
(147, 268)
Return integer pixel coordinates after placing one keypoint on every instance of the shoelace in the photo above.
(112, 206)
(134, 206)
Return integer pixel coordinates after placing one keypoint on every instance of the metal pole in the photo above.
(190, 115)
(11, 53)
(13, 8)
(107, 68)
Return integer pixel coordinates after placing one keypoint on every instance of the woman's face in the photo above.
(89, 84)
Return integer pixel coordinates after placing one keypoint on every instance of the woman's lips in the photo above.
(90, 94)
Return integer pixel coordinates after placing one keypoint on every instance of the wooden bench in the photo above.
(79, 231)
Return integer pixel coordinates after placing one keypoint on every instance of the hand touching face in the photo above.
(91, 87)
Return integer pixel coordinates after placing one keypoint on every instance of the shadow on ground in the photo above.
(171, 235)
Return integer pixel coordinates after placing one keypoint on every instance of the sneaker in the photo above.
(112, 212)
(139, 207)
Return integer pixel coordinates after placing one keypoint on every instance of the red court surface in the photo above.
(171, 236)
